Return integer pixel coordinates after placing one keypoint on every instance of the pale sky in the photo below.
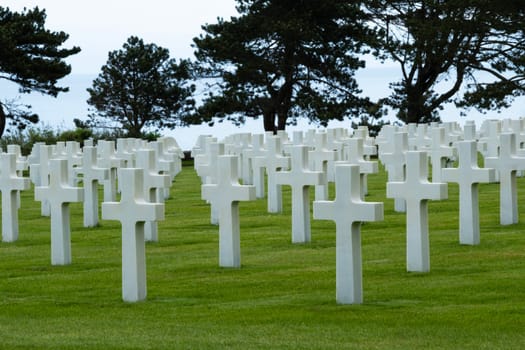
(101, 26)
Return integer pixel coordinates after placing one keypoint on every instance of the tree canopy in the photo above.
(30, 56)
(283, 60)
(443, 46)
(139, 87)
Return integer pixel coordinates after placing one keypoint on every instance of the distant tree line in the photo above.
(281, 60)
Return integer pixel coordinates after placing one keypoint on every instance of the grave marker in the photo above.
(468, 175)
(58, 193)
(348, 211)
(319, 158)
(469, 131)
(506, 165)
(110, 161)
(256, 150)
(45, 156)
(91, 176)
(354, 155)
(225, 196)
(10, 185)
(273, 162)
(152, 181)
(440, 152)
(300, 178)
(209, 172)
(395, 161)
(133, 211)
(416, 190)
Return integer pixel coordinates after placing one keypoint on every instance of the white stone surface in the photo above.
(440, 152)
(152, 181)
(469, 131)
(22, 164)
(273, 161)
(506, 165)
(468, 175)
(108, 159)
(58, 193)
(208, 171)
(354, 155)
(124, 151)
(319, 158)
(10, 185)
(394, 160)
(300, 178)
(166, 164)
(348, 211)
(133, 211)
(45, 153)
(257, 170)
(92, 174)
(225, 196)
(416, 190)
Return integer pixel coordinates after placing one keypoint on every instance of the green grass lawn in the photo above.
(283, 297)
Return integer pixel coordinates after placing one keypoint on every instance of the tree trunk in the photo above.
(269, 122)
(3, 120)
(414, 105)
(281, 121)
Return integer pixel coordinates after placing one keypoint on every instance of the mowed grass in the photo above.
(283, 297)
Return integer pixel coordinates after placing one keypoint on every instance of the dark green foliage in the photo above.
(51, 135)
(450, 43)
(141, 87)
(30, 56)
(283, 60)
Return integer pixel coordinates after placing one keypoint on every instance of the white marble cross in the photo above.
(491, 138)
(348, 211)
(171, 152)
(109, 160)
(395, 160)
(34, 163)
(468, 175)
(300, 178)
(45, 156)
(257, 173)
(73, 154)
(91, 176)
(166, 164)
(59, 194)
(152, 181)
(506, 165)
(416, 190)
(421, 141)
(124, 152)
(22, 164)
(319, 158)
(243, 142)
(297, 140)
(10, 185)
(273, 161)
(440, 152)
(225, 196)
(354, 155)
(469, 131)
(133, 211)
(385, 139)
(209, 172)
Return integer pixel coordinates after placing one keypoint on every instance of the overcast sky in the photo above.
(101, 26)
(98, 27)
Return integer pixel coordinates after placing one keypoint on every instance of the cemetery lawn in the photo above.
(283, 297)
